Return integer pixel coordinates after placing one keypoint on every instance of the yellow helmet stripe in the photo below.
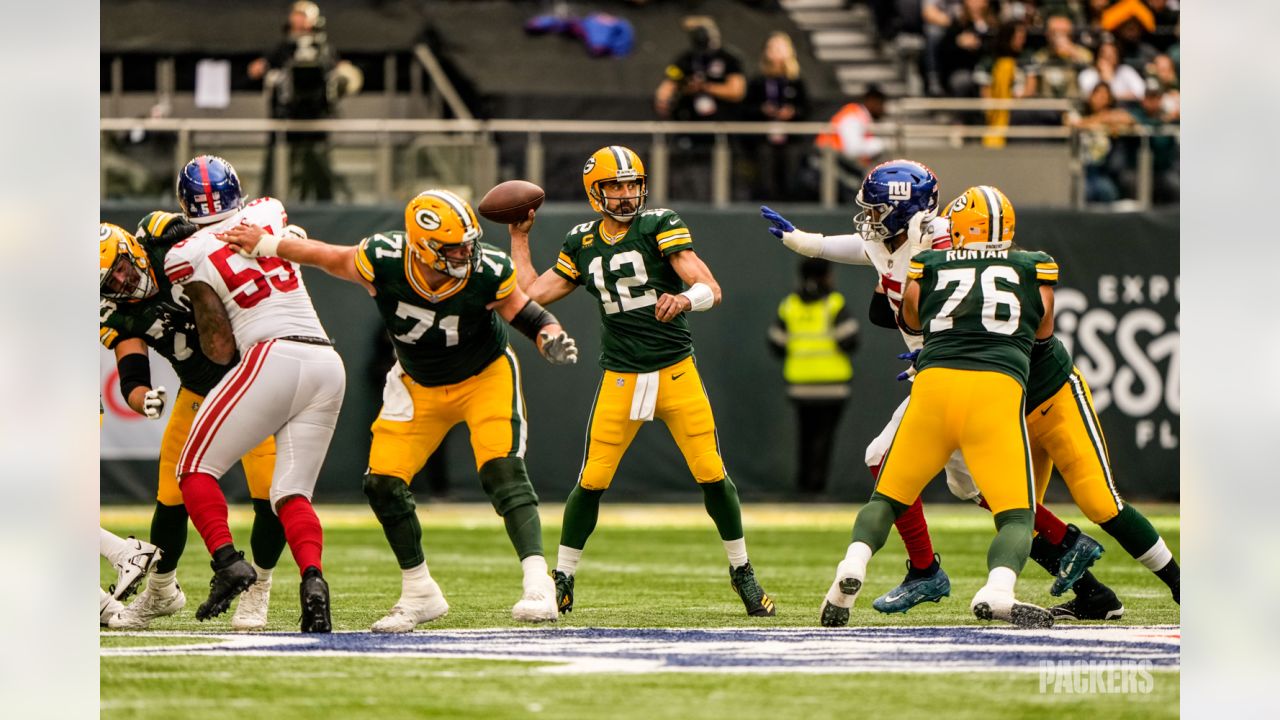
(458, 206)
(995, 228)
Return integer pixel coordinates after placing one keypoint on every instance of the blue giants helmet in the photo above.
(891, 194)
(208, 190)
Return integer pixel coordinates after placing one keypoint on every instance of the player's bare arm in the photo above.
(337, 260)
(1046, 323)
(703, 293)
(911, 306)
(543, 289)
(217, 341)
(528, 316)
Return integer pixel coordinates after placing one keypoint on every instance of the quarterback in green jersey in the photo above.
(637, 263)
(140, 310)
(443, 296)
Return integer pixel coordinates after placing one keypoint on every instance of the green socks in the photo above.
(1012, 543)
(581, 511)
(874, 520)
(525, 530)
(1133, 531)
(721, 500)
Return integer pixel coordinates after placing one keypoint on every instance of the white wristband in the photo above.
(267, 245)
(700, 297)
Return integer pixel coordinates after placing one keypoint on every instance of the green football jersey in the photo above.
(442, 336)
(980, 309)
(166, 323)
(1051, 366)
(627, 276)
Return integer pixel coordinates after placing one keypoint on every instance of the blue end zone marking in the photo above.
(913, 649)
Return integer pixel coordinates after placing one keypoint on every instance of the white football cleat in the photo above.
(841, 595)
(538, 603)
(413, 610)
(989, 604)
(151, 604)
(251, 609)
(129, 572)
(108, 607)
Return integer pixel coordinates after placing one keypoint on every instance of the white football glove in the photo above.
(294, 231)
(153, 403)
(918, 235)
(558, 349)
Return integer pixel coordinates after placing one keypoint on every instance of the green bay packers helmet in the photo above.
(614, 164)
(981, 218)
(438, 219)
(124, 271)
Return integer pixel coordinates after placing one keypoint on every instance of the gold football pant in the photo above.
(681, 403)
(258, 464)
(979, 412)
(415, 418)
(1064, 431)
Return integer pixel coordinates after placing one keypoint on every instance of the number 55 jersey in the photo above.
(264, 297)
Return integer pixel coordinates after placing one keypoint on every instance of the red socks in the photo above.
(1049, 526)
(915, 535)
(303, 532)
(207, 507)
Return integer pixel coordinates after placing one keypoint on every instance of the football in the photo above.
(511, 201)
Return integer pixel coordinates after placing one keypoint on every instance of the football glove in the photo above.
(558, 349)
(799, 241)
(911, 358)
(918, 234)
(153, 403)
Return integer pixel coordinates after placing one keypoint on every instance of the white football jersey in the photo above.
(892, 268)
(264, 297)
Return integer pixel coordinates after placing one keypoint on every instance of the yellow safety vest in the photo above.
(813, 356)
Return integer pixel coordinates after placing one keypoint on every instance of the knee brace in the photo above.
(506, 482)
(389, 497)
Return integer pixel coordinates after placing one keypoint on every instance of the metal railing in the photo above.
(901, 137)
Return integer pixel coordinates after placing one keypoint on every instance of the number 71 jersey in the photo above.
(265, 297)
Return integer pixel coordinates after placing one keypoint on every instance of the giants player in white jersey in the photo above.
(899, 201)
(289, 383)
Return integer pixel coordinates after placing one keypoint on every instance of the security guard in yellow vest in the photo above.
(814, 335)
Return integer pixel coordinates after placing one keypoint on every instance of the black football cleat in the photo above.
(314, 594)
(1099, 606)
(231, 576)
(564, 591)
(754, 598)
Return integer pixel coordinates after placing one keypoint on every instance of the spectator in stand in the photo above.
(1165, 72)
(1059, 63)
(1126, 85)
(1132, 23)
(856, 147)
(1004, 77)
(1157, 109)
(704, 83)
(937, 16)
(1103, 162)
(778, 94)
(1166, 17)
(968, 40)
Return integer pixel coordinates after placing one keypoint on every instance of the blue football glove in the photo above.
(780, 224)
(911, 358)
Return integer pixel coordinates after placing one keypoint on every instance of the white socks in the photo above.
(535, 568)
(113, 547)
(567, 559)
(264, 575)
(1001, 580)
(853, 565)
(1155, 558)
(414, 578)
(158, 581)
(737, 552)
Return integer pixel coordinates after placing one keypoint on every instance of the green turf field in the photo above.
(646, 567)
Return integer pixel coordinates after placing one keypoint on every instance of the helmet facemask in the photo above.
(437, 256)
(870, 222)
(127, 278)
(627, 207)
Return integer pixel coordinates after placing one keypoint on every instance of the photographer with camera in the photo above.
(306, 80)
